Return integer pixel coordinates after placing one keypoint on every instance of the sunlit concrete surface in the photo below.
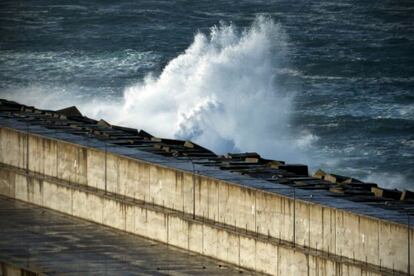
(48, 242)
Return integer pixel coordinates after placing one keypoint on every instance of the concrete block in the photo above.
(369, 240)
(35, 191)
(155, 185)
(141, 221)
(393, 246)
(57, 197)
(95, 207)
(266, 257)
(141, 172)
(212, 197)
(187, 183)
(223, 202)
(248, 253)
(322, 267)
(196, 237)
(130, 218)
(158, 226)
(82, 166)
(276, 214)
(50, 157)
(202, 197)
(7, 183)
(67, 160)
(112, 173)
(13, 145)
(302, 225)
(21, 187)
(96, 169)
(123, 176)
(292, 262)
(407, 195)
(178, 232)
(11, 270)
(88, 206)
(114, 214)
(315, 225)
(387, 193)
(36, 154)
(313, 267)
(245, 215)
(227, 246)
(329, 230)
(163, 188)
(210, 242)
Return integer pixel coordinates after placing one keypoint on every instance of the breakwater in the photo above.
(259, 214)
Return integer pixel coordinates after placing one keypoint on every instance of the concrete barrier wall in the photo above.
(8, 269)
(335, 231)
(258, 253)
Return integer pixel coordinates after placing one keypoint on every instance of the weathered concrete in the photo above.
(340, 232)
(242, 248)
(38, 241)
(8, 269)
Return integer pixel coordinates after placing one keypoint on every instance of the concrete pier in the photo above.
(255, 223)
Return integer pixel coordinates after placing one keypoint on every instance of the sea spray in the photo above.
(354, 89)
(221, 92)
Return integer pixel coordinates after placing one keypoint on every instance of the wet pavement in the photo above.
(49, 242)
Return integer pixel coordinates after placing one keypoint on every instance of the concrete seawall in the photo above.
(242, 194)
(8, 269)
(243, 248)
(254, 228)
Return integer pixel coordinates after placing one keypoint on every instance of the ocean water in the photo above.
(326, 83)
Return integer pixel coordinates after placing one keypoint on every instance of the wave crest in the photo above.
(221, 92)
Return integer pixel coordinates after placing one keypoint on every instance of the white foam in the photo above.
(389, 180)
(221, 93)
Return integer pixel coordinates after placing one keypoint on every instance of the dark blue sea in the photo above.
(326, 83)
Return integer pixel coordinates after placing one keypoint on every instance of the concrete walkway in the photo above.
(48, 242)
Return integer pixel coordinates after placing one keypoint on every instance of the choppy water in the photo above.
(329, 83)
